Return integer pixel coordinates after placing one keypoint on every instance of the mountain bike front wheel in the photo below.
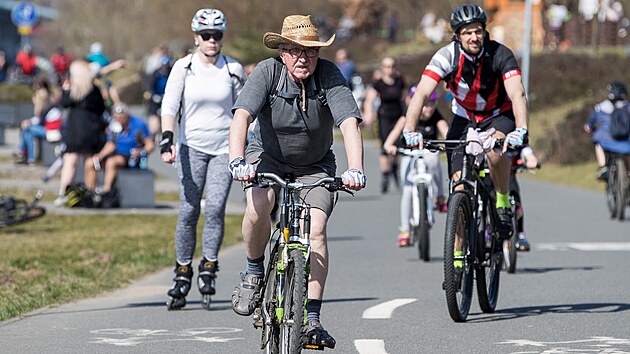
(458, 270)
(294, 302)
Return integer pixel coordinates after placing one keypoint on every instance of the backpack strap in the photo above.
(279, 70)
(187, 68)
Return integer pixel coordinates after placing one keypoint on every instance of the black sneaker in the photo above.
(315, 336)
(246, 295)
(504, 224)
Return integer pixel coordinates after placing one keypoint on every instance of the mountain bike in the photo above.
(617, 195)
(16, 211)
(471, 213)
(422, 208)
(281, 311)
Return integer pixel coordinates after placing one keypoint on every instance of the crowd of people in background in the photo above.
(78, 109)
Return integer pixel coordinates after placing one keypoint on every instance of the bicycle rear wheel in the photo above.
(611, 187)
(509, 246)
(294, 302)
(271, 329)
(622, 189)
(423, 226)
(458, 281)
(490, 257)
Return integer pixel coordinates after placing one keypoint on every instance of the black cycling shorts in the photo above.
(459, 127)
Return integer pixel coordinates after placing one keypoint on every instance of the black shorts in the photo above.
(459, 127)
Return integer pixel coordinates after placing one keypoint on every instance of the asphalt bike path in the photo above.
(569, 294)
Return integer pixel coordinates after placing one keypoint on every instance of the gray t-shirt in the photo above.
(299, 140)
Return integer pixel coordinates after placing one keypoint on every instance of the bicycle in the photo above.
(15, 211)
(281, 312)
(422, 208)
(617, 194)
(471, 212)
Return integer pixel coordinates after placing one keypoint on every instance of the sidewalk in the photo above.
(28, 178)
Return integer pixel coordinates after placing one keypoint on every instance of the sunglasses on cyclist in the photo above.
(297, 52)
(217, 36)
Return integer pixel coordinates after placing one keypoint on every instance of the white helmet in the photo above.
(208, 19)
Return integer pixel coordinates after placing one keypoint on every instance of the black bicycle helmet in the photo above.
(617, 91)
(467, 14)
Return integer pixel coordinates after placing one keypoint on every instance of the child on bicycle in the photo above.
(431, 122)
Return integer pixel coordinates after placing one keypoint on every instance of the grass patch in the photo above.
(62, 258)
(576, 175)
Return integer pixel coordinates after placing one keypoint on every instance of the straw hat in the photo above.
(296, 29)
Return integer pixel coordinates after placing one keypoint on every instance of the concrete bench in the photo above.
(136, 188)
(47, 152)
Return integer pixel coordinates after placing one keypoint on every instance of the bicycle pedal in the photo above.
(313, 347)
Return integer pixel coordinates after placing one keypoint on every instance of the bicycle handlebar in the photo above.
(266, 179)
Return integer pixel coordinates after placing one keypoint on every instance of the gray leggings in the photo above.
(196, 170)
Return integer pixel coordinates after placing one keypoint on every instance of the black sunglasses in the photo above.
(217, 36)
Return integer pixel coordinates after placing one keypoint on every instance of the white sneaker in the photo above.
(60, 201)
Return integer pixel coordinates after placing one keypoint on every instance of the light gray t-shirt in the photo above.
(299, 140)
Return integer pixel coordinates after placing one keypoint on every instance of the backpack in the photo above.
(620, 123)
(78, 196)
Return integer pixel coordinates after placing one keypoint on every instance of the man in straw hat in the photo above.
(298, 99)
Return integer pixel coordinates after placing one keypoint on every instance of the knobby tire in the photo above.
(622, 189)
(294, 300)
(490, 257)
(423, 225)
(458, 285)
(611, 190)
(271, 327)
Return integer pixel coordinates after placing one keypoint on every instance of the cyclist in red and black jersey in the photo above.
(488, 93)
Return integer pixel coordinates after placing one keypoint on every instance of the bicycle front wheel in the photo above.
(423, 226)
(294, 301)
(458, 275)
(622, 189)
(489, 256)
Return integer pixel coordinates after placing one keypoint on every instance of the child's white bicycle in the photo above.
(422, 201)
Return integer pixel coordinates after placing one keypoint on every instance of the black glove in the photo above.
(166, 142)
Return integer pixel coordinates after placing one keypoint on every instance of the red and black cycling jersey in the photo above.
(476, 82)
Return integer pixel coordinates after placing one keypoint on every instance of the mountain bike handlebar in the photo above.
(266, 179)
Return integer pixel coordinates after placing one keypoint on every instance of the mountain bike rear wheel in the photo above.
(294, 302)
(509, 246)
(458, 281)
(622, 189)
(422, 229)
(271, 328)
(611, 188)
(490, 257)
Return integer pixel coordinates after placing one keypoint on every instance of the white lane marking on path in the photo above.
(584, 246)
(385, 309)
(370, 346)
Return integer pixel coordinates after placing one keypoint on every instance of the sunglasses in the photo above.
(217, 36)
(297, 52)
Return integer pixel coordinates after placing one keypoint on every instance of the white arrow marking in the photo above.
(370, 346)
(385, 309)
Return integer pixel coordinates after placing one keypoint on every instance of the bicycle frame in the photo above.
(420, 175)
(290, 238)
